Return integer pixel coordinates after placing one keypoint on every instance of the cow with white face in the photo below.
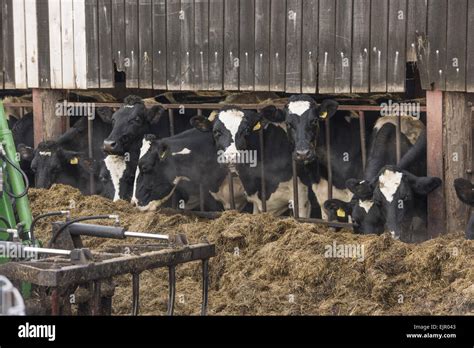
(465, 192)
(236, 135)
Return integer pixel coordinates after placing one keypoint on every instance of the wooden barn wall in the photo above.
(309, 46)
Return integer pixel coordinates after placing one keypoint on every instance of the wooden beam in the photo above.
(435, 167)
(47, 126)
(457, 159)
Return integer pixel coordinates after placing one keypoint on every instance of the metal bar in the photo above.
(296, 201)
(135, 293)
(146, 235)
(174, 202)
(231, 190)
(398, 139)
(201, 198)
(363, 146)
(262, 170)
(205, 286)
(328, 155)
(90, 134)
(95, 308)
(55, 302)
(171, 289)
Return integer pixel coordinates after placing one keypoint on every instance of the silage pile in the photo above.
(270, 266)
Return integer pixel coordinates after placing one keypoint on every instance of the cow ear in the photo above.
(201, 123)
(105, 114)
(153, 115)
(361, 189)
(338, 208)
(327, 109)
(424, 184)
(272, 114)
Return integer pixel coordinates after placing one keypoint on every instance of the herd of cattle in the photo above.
(135, 158)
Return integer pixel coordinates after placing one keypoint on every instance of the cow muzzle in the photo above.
(110, 146)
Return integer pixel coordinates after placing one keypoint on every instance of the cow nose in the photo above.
(109, 145)
(302, 154)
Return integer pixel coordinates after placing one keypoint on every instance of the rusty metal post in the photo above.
(328, 155)
(95, 297)
(398, 139)
(171, 289)
(135, 294)
(174, 202)
(205, 286)
(296, 201)
(262, 170)
(363, 146)
(90, 134)
(55, 302)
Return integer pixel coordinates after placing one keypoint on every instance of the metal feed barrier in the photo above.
(67, 270)
(360, 109)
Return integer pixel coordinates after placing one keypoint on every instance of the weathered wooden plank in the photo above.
(80, 47)
(145, 36)
(456, 45)
(416, 22)
(437, 18)
(378, 45)
(294, 23)
(132, 59)
(216, 44)
(231, 45)
(201, 44)
(106, 63)
(343, 52)
(92, 44)
(8, 49)
(44, 73)
(470, 48)
(396, 57)
(173, 26)
(262, 45)
(19, 43)
(247, 45)
(31, 44)
(327, 40)
(118, 33)
(159, 44)
(361, 46)
(1, 43)
(277, 45)
(187, 44)
(67, 34)
(309, 63)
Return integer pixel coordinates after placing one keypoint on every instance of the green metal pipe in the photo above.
(15, 179)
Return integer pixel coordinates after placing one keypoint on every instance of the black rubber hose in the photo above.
(5, 221)
(39, 217)
(70, 222)
(25, 178)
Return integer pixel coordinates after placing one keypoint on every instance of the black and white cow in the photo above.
(465, 192)
(130, 125)
(180, 164)
(236, 137)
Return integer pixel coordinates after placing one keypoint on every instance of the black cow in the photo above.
(465, 192)
(180, 164)
(235, 133)
(66, 161)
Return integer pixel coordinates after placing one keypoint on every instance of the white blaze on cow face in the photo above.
(366, 205)
(146, 145)
(298, 107)
(389, 182)
(184, 151)
(116, 166)
(231, 119)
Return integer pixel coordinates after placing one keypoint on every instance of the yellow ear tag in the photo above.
(323, 115)
(341, 213)
(257, 126)
(74, 160)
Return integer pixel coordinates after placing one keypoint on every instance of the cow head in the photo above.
(395, 192)
(130, 123)
(50, 160)
(230, 130)
(302, 115)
